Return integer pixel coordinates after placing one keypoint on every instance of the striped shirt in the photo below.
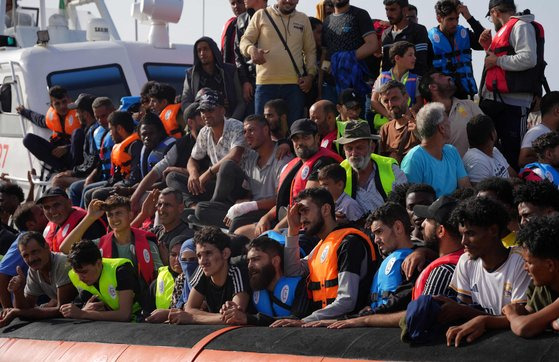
(215, 296)
(438, 281)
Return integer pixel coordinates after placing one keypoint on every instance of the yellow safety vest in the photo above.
(164, 287)
(386, 173)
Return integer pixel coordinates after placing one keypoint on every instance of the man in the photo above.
(324, 114)
(48, 275)
(258, 179)
(412, 14)
(441, 233)
(541, 256)
(11, 196)
(437, 87)
(418, 194)
(435, 162)
(109, 288)
(162, 102)
(483, 159)
(155, 141)
(274, 295)
(487, 274)
(61, 121)
(209, 71)
(398, 136)
(84, 112)
(276, 112)
(172, 168)
(63, 218)
(452, 45)
(246, 69)
(513, 73)
(279, 74)
(300, 173)
(228, 34)
(549, 107)
(220, 139)
(536, 199)
(370, 177)
(215, 282)
(401, 29)
(546, 168)
(349, 42)
(344, 255)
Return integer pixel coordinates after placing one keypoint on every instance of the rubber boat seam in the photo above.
(199, 347)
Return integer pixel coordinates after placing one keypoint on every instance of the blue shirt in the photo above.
(420, 167)
(11, 260)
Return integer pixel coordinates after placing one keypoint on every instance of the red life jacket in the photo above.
(169, 118)
(328, 140)
(527, 81)
(143, 253)
(419, 286)
(62, 129)
(55, 234)
(300, 180)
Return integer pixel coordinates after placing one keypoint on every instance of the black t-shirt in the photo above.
(95, 231)
(215, 296)
(166, 237)
(7, 237)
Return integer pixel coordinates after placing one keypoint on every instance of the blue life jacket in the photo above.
(98, 135)
(280, 238)
(550, 172)
(107, 144)
(388, 277)
(156, 155)
(454, 59)
(279, 304)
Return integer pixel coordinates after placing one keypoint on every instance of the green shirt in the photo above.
(540, 297)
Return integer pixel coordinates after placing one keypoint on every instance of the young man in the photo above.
(274, 295)
(418, 194)
(162, 102)
(215, 282)
(547, 167)
(47, 275)
(275, 112)
(109, 288)
(487, 274)
(333, 178)
(541, 257)
(536, 199)
(11, 196)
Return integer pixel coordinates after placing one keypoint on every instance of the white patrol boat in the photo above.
(38, 52)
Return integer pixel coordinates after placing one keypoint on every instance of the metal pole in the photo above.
(204, 18)
(18, 99)
(42, 15)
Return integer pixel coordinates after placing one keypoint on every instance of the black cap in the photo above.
(493, 3)
(439, 210)
(83, 102)
(191, 111)
(303, 125)
(210, 100)
(349, 98)
(52, 192)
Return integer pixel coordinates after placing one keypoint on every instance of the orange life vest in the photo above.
(419, 286)
(59, 129)
(169, 118)
(120, 156)
(323, 265)
(55, 234)
(141, 247)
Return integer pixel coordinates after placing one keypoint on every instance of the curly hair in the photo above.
(542, 194)
(84, 252)
(391, 212)
(539, 237)
(482, 212)
(214, 236)
(500, 186)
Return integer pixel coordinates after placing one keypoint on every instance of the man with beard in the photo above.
(398, 136)
(513, 73)
(339, 269)
(402, 29)
(370, 177)
(274, 295)
(324, 114)
(279, 74)
(418, 194)
(435, 162)
(47, 275)
(300, 173)
(437, 87)
(275, 112)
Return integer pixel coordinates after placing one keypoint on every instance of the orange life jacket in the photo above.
(323, 265)
(419, 286)
(55, 234)
(169, 118)
(59, 129)
(141, 246)
(120, 156)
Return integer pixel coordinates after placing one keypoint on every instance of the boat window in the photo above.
(10, 126)
(102, 81)
(172, 74)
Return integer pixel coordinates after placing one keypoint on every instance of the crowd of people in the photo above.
(314, 172)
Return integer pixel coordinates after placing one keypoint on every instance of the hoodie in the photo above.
(224, 73)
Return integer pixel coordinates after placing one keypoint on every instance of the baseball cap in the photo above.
(83, 102)
(349, 98)
(210, 100)
(439, 210)
(303, 125)
(52, 192)
(129, 103)
(355, 131)
(191, 111)
(493, 3)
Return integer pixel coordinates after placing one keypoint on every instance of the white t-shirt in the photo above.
(492, 291)
(480, 166)
(533, 133)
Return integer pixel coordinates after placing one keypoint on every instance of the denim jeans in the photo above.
(291, 93)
